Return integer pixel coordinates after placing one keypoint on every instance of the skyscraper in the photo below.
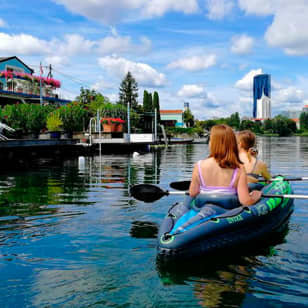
(262, 96)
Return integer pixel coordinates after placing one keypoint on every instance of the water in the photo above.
(71, 236)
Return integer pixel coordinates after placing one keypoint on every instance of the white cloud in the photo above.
(111, 12)
(22, 44)
(194, 63)
(57, 50)
(242, 44)
(143, 73)
(192, 90)
(289, 27)
(122, 44)
(57, 60)
(102, 84)
(246, 83)
(290, 94)
(259, 7)
(159, 7)
(289, 30)
(218, 9)
(73, 44)
(2, 23)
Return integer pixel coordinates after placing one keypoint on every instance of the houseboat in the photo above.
(19, 84)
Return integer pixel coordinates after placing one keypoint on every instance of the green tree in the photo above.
(145, 101)
(234, 120)
(156, 105)
(268, 125)
(303, 120)
(247, 124)
(281, 126)
(188, 118)
(150, 103)
(86, 96)
(128, 91)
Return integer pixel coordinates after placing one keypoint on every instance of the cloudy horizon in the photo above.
(205, 52)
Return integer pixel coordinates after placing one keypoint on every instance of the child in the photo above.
(222, 172)
(248, 155)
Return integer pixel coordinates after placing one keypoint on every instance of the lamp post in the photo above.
(128, 122)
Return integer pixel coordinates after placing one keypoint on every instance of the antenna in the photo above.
(50, 72)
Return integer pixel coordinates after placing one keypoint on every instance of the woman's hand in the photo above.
(255, 195)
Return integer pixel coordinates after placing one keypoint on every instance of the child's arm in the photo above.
(244, 196)
(264, 171)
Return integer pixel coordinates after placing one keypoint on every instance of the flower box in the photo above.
(112, 125)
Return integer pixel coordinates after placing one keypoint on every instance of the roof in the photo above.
(295, 120)
(306, 106)
(3, 59)
(178, 111)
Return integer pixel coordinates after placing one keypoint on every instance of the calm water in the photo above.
(70, 236)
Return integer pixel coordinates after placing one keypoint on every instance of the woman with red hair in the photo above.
(222, 172)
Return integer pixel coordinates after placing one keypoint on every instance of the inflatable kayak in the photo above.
(210, 222)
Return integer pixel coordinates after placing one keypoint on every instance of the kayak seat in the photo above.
(224, 201)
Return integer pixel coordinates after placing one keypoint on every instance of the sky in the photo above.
(205, 52)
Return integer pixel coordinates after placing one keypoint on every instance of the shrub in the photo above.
(73, 116)
(54, 121)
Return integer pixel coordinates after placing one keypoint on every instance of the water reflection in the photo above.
(224, 279)
(70, 235)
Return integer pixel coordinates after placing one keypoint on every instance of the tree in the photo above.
(86, 96)
(156, 105)
(150, 103)
(268, 125)
(145, 101)
(188, 118)
(234, 120)
(128, 91)
(303, 119)
(281, 126)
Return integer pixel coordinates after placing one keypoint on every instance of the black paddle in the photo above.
(151, 193)
(184, 185)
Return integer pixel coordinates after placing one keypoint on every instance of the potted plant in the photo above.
(107, 125)
(54, 124)
(73, 117)
(36, 119)
(118, 125)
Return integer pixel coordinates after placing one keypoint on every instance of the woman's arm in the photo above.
(194, 188)
(244, 196)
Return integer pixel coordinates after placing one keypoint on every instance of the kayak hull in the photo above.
(187, 231)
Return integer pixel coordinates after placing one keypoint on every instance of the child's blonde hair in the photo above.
(248, 142)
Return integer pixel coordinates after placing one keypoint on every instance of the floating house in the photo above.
(172, 117)
(19, 84)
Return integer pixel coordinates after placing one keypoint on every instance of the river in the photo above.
(71, 236)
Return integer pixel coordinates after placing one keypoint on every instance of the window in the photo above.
(11, 68)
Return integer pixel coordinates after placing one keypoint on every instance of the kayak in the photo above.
(213, 222)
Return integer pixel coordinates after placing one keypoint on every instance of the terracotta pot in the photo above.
(107, 128)
(118, 128)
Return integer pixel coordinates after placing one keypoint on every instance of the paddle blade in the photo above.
(147, 192)
(181, 185)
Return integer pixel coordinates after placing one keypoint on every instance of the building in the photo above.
(172, 117)
(262, 96)
(297, 122)
(18, 84)
(305, 108)
(292, 114)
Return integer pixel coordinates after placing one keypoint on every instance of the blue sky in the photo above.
(204, 52)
